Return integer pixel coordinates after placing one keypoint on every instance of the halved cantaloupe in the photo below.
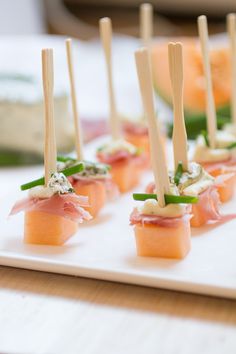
(96, 193)
(194, 86)
(166, 242)
(126, 174)
(47, 229)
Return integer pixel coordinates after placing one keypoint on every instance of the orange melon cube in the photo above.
(226, 190)
(199, 217)
(166, 242)
(141, 141)
(47, 229)
(126, 174)
(96, 193)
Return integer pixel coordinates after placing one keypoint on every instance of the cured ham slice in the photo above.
(225, 171)
(54, 220)
(126, 169)
(206, 210)
(161, 236)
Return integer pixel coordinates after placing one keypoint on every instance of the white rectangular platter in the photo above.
(105, 248)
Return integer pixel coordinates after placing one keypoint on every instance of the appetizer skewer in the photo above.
(215, 150)
(190, 178)
(52, 210)
(161, 229)
(125, 159)
(95, 180)
(136, 131)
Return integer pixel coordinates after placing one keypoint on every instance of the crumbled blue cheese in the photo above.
(195, 181)
(91, 169)
(58, 184)
(118, 145)
(152, 207)
(205, 154)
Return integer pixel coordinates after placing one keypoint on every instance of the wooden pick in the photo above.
(157, 153)
(146, 24)
(50, 153)
(179, 136)
(210, 104)
(106, 37)
(231, 26)
(78, 132)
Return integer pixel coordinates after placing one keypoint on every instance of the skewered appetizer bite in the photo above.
(190, 178)
(126, 163)
(95, 180)
(126, 160)
(214, 150)
(161, 229)
(52, 209)
(231, 27)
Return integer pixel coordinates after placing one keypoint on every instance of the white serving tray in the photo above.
(105, 248)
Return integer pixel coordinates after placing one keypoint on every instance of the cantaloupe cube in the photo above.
(141, 141)
(166, 242)
(226, 190)
(96, 193)
(126, 174)
(47, 229)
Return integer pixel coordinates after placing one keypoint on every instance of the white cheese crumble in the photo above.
(151, 207)
(118, 145)
(205, 154)
(58, 184)
(195, 181)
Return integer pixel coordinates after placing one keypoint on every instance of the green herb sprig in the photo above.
(205, 136)
(40, 181)
(169, 199)
(178, 173)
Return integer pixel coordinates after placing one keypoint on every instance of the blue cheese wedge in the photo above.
(22, 111)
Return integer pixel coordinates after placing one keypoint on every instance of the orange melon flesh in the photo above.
(126, 174)
(194, 91)
(141, 141)
(226, 191)
(199, 217)
(96, 193)
(47, 229)
(166, 242)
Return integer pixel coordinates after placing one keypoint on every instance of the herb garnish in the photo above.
(205, 136)
(40, 181)
(178, 173)
(169, 199)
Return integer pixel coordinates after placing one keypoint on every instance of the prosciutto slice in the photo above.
(69, 206)
(112, 158)
(225, 166)
(208, 202)
(144, 219)
(135, 129)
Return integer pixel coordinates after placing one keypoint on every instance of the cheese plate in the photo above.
(105, 247)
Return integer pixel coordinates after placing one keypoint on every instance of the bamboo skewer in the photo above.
(146, 24)
(77, 125)
(157, 153)
(179, 131)
(106, 38)
(210, 104)
(231, 26)
(50, 153)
